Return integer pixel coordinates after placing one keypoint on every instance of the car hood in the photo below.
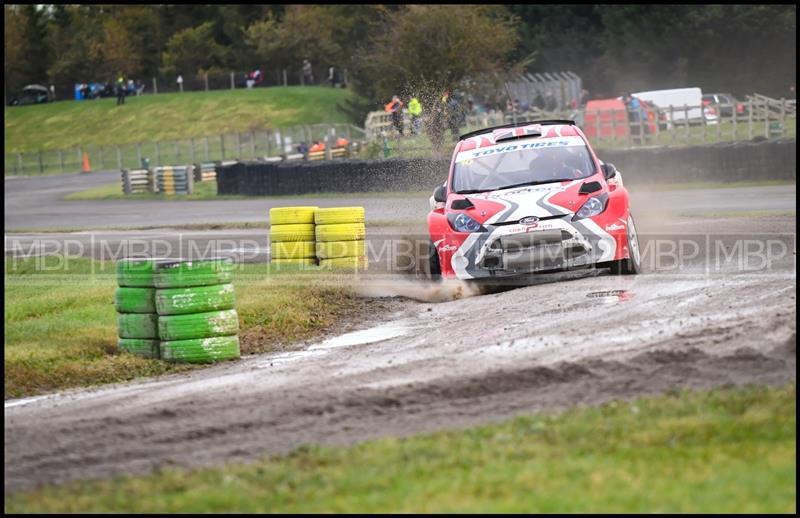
(511, 205)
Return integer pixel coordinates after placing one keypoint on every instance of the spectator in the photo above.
(258, 77)
(538, 101)
(303, 149)
(415, 112)
(395, 107)
(550, 102)
(331, 76)
(317, 146)
(635, 116)
(52, 93)
(308, 74)
(249, 81)
(180, 82)
(120, 89)
(139, 88)
(584, 97)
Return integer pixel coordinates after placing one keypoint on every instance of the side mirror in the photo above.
(440, 194)
(609, 171)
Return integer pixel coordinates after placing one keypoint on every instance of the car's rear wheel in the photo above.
(433, 262)
(633, 264)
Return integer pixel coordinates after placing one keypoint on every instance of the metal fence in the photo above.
(562, 87)
(233, 146)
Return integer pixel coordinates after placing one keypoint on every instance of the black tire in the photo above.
(140, 347)
(198, 325)
(186, 274)
(632, 265)
(135, 300)
(137, 325)
(200, 299)
(435, 269)
(201, 350)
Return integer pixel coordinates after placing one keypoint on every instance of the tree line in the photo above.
(405, 49)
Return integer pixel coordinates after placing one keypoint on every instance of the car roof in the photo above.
(527, 125)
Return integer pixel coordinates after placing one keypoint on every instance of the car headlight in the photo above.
(593, 206)
(463, 223)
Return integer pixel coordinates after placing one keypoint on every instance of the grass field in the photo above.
(61, 330)
(722, 451)
(152, 118)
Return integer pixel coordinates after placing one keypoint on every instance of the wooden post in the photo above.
(766, 118)
(119, 158)
(205, 143)
(285, 82)
(222, 145)
(686, 122)
(155, 86)
(205, 77)
(139, 154)
(783, 117)
(238, 146)
(233, 83)
(750, 119)
(268, 136)
(705, 122)
(41, 166)
(719, 122)
(671, 124)
(61, 159)
(734, 131)
(253, 144)
(613, 127)
(191, 149)
(597, 125)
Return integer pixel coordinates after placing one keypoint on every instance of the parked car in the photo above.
(31, 94)
(530, 197)
(726, 103)
(680, 99)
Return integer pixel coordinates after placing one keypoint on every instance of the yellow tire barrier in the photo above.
(341, 232)
(293, 250)
(338, 215)
(291, 215)
(293, 232)
(280, 263)
(345, 262)
(334, 249)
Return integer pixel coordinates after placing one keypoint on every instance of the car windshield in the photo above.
(517, 164)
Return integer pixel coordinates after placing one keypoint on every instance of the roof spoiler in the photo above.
(517, 125)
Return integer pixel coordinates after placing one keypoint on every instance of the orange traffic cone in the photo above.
(86, 167)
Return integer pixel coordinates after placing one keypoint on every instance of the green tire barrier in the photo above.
(345, 263)
(337, 215)
(135, 300)
(335, 249)
(136, 273)
(202, 350)
(198, 325)
(139, 347)
(200, 299)
(289, 263)
(137, 325)
(341, 232)
(293, 232)
(291, 215)
(293, 250)
(186, 274)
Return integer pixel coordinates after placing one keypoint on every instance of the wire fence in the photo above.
(232, 146)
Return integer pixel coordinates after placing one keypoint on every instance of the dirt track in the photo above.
(587, 338)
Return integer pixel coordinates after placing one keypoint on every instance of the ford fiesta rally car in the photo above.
(528, 198)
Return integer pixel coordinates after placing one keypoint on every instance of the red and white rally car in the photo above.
(528, 198)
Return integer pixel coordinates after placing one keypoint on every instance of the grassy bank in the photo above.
(60, 323)
(723, 451)
(160, 117)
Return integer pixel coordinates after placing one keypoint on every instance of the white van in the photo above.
(679, 98)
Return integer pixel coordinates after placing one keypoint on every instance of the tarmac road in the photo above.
(725, 314)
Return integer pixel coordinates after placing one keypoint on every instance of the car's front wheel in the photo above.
(633, 264)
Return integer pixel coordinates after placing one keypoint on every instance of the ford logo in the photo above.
(529, 220)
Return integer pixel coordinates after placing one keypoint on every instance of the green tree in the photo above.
(194, 51)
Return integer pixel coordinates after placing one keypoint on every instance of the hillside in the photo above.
(150, 118)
